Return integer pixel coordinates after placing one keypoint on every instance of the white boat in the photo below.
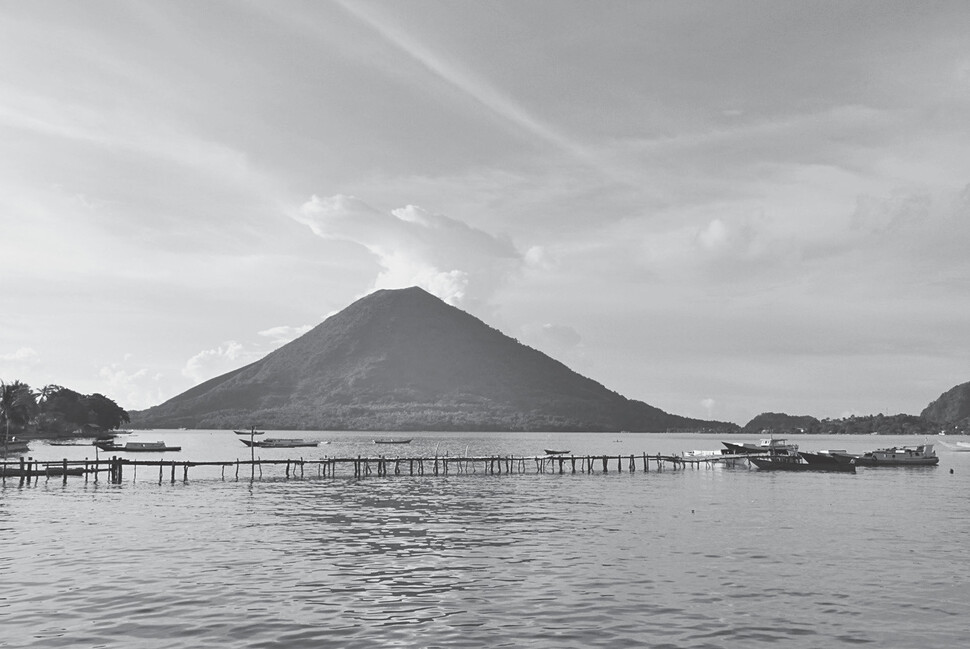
(721, 456)
(767, 446)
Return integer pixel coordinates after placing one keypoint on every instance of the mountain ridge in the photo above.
(403, 359)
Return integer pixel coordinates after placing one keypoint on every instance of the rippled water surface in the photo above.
(689, 558)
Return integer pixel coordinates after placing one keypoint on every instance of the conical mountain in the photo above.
(406, 360)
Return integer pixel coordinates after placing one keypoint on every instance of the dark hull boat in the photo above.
(796, 463)
(279, 442)
(392, 441)
(827, 458)
(136, 447)
(550, 451)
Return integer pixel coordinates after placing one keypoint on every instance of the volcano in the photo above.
(405, 360)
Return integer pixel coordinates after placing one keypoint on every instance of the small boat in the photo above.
(921, 455)
(248, 432)
(279, 442)
(136, 447)
(550, 451)
(392, 441)
(798, 463)
(13, 446)
(722, 456)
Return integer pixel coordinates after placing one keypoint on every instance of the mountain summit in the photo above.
(405, 360)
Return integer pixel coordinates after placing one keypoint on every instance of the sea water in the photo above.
(708, 557)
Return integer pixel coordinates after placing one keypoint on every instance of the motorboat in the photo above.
(918, 455)
(824, 458)
(248, 432)
(798, 463)
(767, 446)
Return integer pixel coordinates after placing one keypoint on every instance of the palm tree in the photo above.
(17, 405)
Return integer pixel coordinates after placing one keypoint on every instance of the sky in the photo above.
(720, 208)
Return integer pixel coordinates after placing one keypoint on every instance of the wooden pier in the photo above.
(114, 469)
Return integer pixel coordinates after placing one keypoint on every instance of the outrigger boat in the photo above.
(136, 447)
(279, 442)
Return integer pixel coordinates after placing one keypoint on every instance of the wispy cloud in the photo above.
(472, 85)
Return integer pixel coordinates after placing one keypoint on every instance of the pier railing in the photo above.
(115, 468)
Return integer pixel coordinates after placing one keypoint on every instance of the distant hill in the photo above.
(405, 360)
(952, 408)
(776, 422)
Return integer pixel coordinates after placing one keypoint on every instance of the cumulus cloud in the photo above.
(283, 334)
(559, 341)
(209, 363)
(21, 355)
(131, 389)
(460, 264)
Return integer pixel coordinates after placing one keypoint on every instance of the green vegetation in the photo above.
(782, 424)
(55, 411)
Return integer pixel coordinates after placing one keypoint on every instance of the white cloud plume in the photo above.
(458, 263)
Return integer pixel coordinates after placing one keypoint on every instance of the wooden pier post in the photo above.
(173, 471)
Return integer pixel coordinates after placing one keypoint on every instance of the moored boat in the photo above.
(550, 451)
(392, 441)
(136, 447)
(13, 446)
(248, 432)
(279, 442)
(798, 463)
(824, 458)
(918, 455)
(769, 445)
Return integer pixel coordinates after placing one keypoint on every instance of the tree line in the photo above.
(55, 411)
